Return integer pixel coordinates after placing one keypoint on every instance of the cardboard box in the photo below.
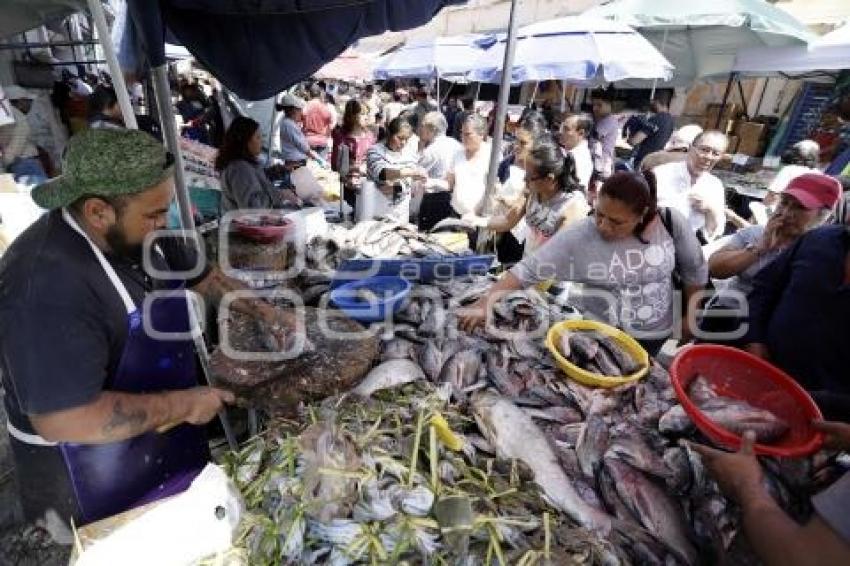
(751, 135)
(733, 145)
(731, 112)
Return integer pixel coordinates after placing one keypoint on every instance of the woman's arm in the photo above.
(507, 221)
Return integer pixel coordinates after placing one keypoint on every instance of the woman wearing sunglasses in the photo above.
(624, 257)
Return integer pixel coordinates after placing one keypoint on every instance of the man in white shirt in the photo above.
(575, 130)
(437, 152)
(468, 173)
(689, 187)
(606, 130)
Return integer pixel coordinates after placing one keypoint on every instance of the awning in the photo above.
(791, 60)
(445, 57)
(18, 16)
(257, 49)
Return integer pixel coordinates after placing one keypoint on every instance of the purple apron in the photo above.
(111, 478)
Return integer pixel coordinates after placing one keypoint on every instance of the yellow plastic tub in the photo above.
(629, 345)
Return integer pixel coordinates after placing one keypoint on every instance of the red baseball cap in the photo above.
(815, 190)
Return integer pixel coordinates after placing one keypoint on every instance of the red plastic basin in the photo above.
(262, 227)
(737, 374)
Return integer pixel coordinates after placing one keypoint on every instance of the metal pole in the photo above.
(162, 91)
(563, 96)
(501, 113)
(534, 93)
(725, 100)
(655, 80)
(96, 9)
(172, 141)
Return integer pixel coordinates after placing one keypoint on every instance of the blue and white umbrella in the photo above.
(439, 57)
(577, 49)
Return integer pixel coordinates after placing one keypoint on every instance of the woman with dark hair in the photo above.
(244, 183)
(357, 138)
(553, 199)
(391, 165)
(104, 112)
(624, 257)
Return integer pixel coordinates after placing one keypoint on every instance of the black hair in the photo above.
(351, 116)
(469, 104)
(638, 191)
(235, 144)
(547, 159)
(101, 98)
(315, 91)
(533, 122)
(395, 126)
(607, 94)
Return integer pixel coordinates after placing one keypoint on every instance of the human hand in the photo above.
(837, 434)
(758, 350)
(201, 404)
(739, 473)
(473, 316)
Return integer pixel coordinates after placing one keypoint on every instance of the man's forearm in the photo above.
(216, 285)
(774, 536)
(112, 417)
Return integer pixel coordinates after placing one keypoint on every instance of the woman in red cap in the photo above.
(806, 203)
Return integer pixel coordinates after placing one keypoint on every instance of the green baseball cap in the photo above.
(108, 163)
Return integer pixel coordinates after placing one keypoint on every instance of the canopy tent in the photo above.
(836, 38)
(579, 49)
(350, 66)
(18, 16)
(443, 57)
(257, 49)
(791, 60)
(701, 37)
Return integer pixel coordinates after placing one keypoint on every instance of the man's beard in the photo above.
(120, 247)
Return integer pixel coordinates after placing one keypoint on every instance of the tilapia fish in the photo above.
(390, 373)
(736, 415)
(655, 510)
(597, 353)
(515, 436)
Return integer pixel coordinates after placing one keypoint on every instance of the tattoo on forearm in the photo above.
(133, 420)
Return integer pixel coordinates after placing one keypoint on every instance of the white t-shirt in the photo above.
(675, 188)
(584, 162)
(470, 179)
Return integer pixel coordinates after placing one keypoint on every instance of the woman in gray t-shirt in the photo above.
(624, 258)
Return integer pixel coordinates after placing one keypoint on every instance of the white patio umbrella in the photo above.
(577, 49)
(839, 37)
(701, 37)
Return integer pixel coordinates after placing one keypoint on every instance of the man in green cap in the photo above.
(104, 414)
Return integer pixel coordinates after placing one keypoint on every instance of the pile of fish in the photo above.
(474, 449)
(373, 239)
(597, 353)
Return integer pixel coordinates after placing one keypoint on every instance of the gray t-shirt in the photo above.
(625, 283)
(832, 506)
(245, 185)
(743, 282)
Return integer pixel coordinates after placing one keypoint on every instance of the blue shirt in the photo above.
(293, 142)
(800, 309)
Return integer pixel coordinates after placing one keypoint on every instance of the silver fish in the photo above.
(431, 359)
(739, 416)
(461, 370)
(655, 510)
(675, 421)
(391, 373)
(635, 452)
(592, 444)
(515, 436)
(397, 349)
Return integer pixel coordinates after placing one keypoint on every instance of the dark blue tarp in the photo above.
(257, 48)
